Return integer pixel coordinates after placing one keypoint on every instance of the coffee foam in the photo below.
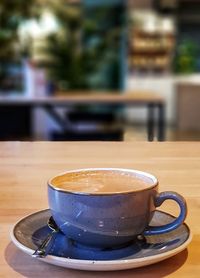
(101, 181)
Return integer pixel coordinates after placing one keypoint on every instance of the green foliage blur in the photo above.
(84, 53)
(12, 14)
(186, 58)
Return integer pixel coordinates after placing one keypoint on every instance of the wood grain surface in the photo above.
(26, 167)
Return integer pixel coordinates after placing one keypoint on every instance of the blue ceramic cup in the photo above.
(107, 219)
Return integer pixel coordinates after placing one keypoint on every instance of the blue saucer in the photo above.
(31, 231)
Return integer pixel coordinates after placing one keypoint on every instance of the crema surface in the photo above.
(101, 181)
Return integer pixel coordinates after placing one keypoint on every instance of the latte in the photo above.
(101, 181)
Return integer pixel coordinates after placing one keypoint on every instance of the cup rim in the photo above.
(146, 174)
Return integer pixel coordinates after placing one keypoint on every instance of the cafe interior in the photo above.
(106, 92)
(63, 64)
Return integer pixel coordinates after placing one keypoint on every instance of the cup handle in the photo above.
(160, 198)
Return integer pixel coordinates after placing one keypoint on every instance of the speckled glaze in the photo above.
(107, 220)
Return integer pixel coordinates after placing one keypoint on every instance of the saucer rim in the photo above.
(100, 265)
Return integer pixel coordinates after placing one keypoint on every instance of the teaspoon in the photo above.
(43, 250)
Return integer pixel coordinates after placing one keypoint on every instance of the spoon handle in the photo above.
(43, 250)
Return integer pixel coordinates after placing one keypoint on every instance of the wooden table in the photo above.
(155, 106)
(25, 168)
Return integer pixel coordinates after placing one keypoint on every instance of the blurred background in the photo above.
(48, 48)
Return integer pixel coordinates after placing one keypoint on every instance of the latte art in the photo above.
(101, 181)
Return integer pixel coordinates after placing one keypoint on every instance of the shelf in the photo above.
(150, 50)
